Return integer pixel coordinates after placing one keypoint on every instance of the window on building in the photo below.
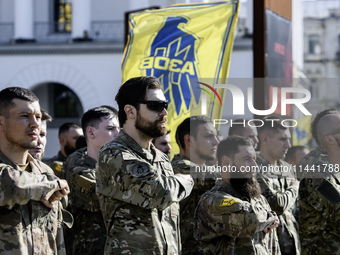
(65, 102)
(313, 88)
(60, 102)
(62, 15)
(314, 46)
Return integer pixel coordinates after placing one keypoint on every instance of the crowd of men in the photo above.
(112, 188)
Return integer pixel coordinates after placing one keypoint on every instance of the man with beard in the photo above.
(100, 125)
(30, 211)
(68, 134)
(233, 217)
(278, 182)
(197, 139)
(39, 151)
(319, 193)
(137, 190)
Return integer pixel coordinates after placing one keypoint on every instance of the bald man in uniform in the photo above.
(320, 191)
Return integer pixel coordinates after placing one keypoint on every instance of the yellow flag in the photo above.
(302, 134)
(187, 47)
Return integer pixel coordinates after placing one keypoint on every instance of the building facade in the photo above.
(69, 52)
(322, 53)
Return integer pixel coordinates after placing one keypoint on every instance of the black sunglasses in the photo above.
(156, 106)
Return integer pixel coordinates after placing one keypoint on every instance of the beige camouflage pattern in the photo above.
(319, 208)
(203, 183)
(26, 225)
(226, 223)
(282, 198)
(138, 196)
(89, 228)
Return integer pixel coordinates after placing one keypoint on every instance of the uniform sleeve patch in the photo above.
(57, 166)
(227, 202)
(139, 170)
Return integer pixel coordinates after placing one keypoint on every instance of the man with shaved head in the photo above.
(318, 155)
(320, 189)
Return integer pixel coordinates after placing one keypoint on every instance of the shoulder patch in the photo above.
(139, 169)
(57, 165)
(128, 156)
(227, 202)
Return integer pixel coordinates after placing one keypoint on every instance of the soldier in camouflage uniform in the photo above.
(137, 190)
(100, 125)
(39, 151)
(197, 140)
(319, 194)
(68, 134)
(278, 182)
(30, 210)
(233, 217)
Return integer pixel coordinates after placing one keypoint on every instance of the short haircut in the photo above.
(189, 126)
(111, 108)
(317, 119)
(230, 146)
(45, 115)
(272, 124)
(66, 126)
(133, 92)
(94, 116)
(8, 94)
(290, 155)
(237, 129)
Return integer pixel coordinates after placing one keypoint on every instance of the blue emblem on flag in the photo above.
(172, 60)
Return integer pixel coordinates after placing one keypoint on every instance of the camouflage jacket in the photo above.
(227, 223)
(138, 195)
(89, 228)
(319, 200)
(203, 183)
(275, 187)
(26, 225)
(56, 163)
(308, 166)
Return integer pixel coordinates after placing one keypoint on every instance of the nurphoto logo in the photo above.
(239, 103)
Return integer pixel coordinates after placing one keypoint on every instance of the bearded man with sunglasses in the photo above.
(319, 193)
(137, 189)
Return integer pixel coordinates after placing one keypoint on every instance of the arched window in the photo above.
(60, 102)
(63, 16)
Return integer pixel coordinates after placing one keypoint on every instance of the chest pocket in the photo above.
(44, 217)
